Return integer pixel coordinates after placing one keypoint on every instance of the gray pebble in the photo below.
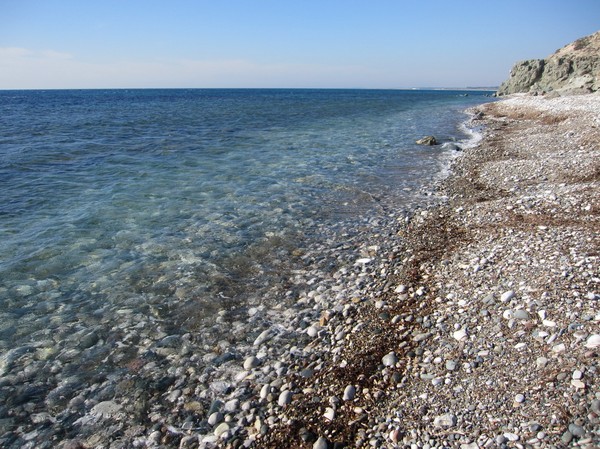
(507, 296)
(215, 418)
(566, 437)
(389, 359)
(321, 443)
(285, 398)
(576, 430)
(521, 314)
(251, 362)
(349, 393)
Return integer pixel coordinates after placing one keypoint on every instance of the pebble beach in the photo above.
(476, 324)
(470, 323)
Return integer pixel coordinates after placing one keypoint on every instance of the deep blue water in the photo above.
(113, 200)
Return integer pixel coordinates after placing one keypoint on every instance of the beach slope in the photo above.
(484, 331)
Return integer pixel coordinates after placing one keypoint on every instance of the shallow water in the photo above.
(171, 205)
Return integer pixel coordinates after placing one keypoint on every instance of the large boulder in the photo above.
(574, 68)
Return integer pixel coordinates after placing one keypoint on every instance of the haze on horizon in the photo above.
(57, 44)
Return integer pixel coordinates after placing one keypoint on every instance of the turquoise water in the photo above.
(181, 202)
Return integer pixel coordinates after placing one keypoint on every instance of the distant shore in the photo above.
(479, 323)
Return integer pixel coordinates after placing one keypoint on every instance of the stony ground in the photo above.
(482, 328)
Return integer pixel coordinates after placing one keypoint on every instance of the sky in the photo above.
(389, 44)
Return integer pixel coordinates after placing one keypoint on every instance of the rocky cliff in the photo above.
(574, 68)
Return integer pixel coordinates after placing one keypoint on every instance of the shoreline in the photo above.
(479, 330)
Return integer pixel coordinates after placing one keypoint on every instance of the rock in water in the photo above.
(427, 140)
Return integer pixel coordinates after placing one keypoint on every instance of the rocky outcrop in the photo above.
(574, 68)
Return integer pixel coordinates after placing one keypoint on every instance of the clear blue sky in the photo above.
(280, 43)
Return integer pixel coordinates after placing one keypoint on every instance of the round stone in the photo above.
(521, 314)
(520, 398)
(285, 398)
(576, 431)
(321, 443)
(349, 393)
(389, 359)
(215, 418)
(221, 429)
(507, 296)
(251, 362)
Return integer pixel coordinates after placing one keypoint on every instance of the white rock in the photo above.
(593, 341)
(549, 323)
(507, 296)
(329, 413)
(312, 331)
(400, 289)
(446, 420)
(541, 362)
(578, 384)
(221, 429)
(460, 334)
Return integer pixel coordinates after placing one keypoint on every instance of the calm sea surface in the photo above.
(179, 203)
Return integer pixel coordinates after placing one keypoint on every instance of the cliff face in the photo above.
(574, 68)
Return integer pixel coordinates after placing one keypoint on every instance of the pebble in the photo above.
(321, 443)
(389, 359)
(521, 314)
(284, 398)
(215, 418)
(576, 431)
(329, 413)
(221, 429)
(446, 420)
(349, 393)
(566, 437)
(460, 334)
(251, 362)
(519, 398)
(507, 296)
(451, 365)
(593, 341)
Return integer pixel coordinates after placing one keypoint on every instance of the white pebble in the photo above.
(593, 341)
(507, 296)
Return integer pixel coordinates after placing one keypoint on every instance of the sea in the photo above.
(179, 204)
